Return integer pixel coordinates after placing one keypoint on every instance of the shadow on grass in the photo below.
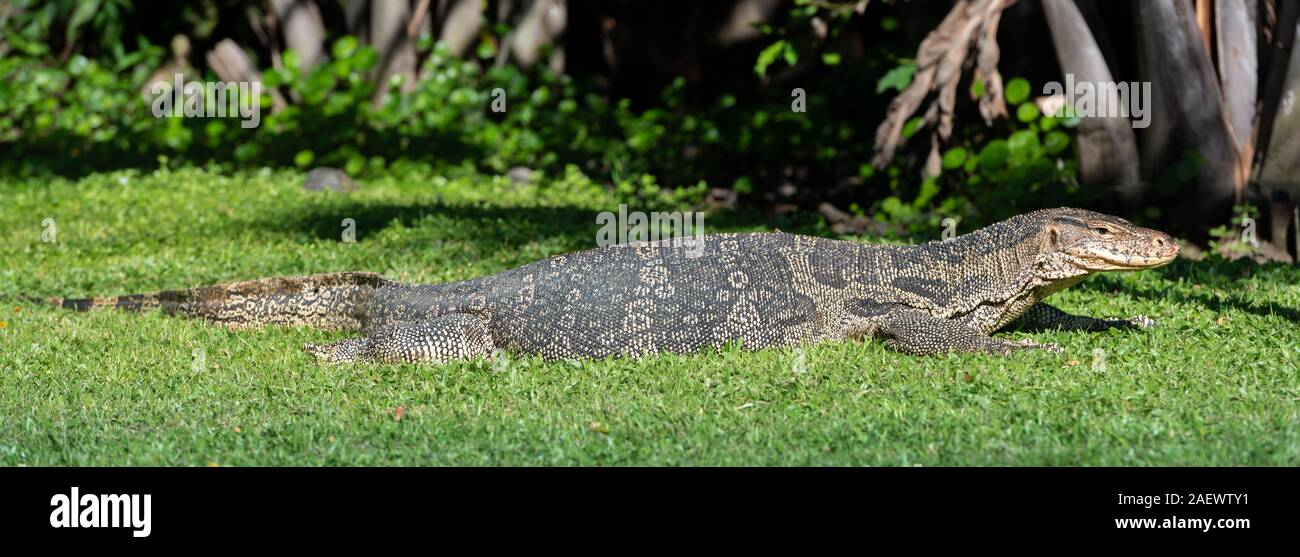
(493, 224)
(488, 224)
(1220, 285)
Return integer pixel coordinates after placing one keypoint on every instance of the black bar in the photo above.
(225, 507)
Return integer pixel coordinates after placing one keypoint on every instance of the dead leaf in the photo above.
(970, 26)
(398, 413)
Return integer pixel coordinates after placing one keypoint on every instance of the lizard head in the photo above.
(1076, 242)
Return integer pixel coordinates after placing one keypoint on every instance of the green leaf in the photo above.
(994, 155)
(290, 60)
(892, 206)
(486, 49)
(304, 158)
(1027, 112)
(1017, 91)
(247, 152)
(1023, 145)
(954, 158)
(911, 127)
(82, 14)
(30, 48)
(355, 165)
(214, 128)
(366, 57)
(929, 188)
(898, 78)
(1055, 142)
(318, 85)
(345, 47)
(768, 57)
(831, 58)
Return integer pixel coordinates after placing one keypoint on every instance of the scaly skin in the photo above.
(760, 290)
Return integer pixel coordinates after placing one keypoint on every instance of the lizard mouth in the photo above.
(1107, 260)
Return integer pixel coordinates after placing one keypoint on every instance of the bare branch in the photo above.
(970, 25)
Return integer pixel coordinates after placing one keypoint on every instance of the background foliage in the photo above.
(71, 103)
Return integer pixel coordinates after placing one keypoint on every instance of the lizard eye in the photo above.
(1101, 230)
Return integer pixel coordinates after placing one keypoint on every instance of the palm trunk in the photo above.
(1187, 110)
(1108, 154)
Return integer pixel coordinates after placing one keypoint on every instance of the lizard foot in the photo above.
(1135, 322)
(1142, 321)
(347, 350)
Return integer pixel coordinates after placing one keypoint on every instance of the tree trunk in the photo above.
(388, 21)
(1108, 154)
(543, 23)
(230, 63)
(303, 29)
(354, 17)
(461, 27)
(1279, 172)
(1187, 110)
(742, 23)
(1238, 74)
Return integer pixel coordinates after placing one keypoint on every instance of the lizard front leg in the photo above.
(919, 333)
(1042, 317)
(449, 337)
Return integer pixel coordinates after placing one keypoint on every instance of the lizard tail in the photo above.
(327, 301)
(130, 302)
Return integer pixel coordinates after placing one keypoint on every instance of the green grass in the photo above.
(1218, 383)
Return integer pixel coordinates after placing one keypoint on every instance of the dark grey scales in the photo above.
(760, 290)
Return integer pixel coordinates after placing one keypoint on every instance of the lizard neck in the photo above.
(989, 276)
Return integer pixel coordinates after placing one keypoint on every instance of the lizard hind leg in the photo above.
(450, 337)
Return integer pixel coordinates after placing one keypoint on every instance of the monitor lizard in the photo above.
(760, 290)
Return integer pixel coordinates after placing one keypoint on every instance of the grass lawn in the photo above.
(1217, 383)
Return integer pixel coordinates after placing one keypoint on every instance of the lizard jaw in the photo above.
(1118, 261)
(1095, 258)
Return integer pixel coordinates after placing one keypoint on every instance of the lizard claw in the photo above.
(1142, 321)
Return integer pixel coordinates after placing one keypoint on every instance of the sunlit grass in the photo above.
(1218, 382)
